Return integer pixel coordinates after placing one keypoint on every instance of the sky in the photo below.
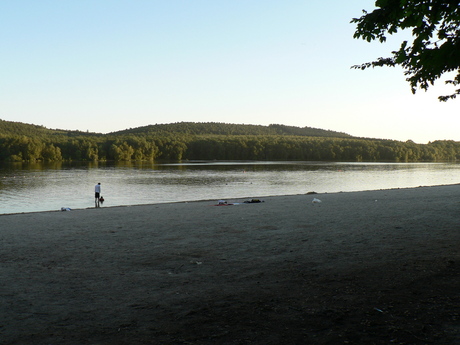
(107, 65)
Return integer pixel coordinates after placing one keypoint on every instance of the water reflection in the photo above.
(50, 186)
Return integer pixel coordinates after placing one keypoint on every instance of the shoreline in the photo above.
(236, 198)
(376, 267)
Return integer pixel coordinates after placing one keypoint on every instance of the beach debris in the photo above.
(253, 201)
(316, 201)
(225, 203)
(65, 208)
(196, 262)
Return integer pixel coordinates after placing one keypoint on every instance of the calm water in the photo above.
(41, 187)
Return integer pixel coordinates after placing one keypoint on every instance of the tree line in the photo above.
(217, 128)
(20, 148)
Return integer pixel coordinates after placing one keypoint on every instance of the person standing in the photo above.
(97, 194)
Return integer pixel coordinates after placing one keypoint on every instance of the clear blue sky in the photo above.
(107, 65)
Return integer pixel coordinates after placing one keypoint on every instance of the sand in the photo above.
(376, 267)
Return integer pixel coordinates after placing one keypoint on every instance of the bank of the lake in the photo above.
(374, 267)
(41, 187)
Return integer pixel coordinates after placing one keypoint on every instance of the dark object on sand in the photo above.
(253, 201)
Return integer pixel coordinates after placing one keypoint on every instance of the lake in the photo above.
(43, 187)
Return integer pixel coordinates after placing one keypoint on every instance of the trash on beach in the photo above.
(253, 201)
(65, 208)
(223, 203)
(316, 201)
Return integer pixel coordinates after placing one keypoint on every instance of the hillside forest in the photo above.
(21, 142)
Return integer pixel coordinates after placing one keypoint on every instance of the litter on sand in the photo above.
(223, 203)
(316, 201)
(253, 201)
(65, 208)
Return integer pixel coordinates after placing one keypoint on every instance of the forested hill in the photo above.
(216, 128)
(10, 128)
(21, 142)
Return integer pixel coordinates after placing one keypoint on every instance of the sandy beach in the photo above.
(376, 267)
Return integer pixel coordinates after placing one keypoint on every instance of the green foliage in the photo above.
(51, 153)
(435, 49)
(9, 128)
(213, 142)
(209, 128)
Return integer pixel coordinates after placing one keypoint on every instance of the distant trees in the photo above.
(210, 147)
(215, 128)
(22, 148)
(164, 145)
(51, 153)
